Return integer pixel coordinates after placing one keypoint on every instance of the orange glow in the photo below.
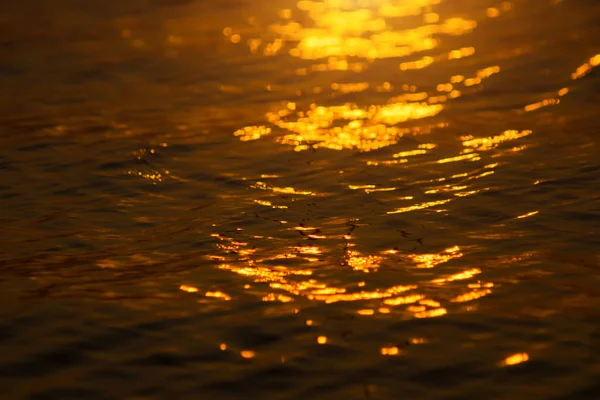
(334, 36)
(189, 289)
(475, 294)
(363, 263)
(471, 156)
(350, 87)
(390, 351)
(410, 153)
(403, 300)
(493, 12)
(284, 190)
(218, 295)
(516, 359)
(488, 143)
(346, 126)
(472, 81)
(461, 53)
(338, 101)
(540, 104)
(340, 32)
(252, 132)
(487, 72)
(419, 206)
(433, 260)
(418, 64)
(248, 354)
(322, 339)
(586, 67)
(467, 274)
(530, 214)
(430, 303)
(277, 297)
(437, 312)
(268, 204)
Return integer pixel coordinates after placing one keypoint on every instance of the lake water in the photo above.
(329, 199)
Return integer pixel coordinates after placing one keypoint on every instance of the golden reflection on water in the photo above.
(366, 128)
(347, 40)
(529, 214)
(339, 30)
(218, 295)
(420, 206)
(516, 359)
(586, 67)
(284, 284)
(349, 126)
(351, 36)
(268, 204)
(252, 132)
(363, 263)
(436, 312)
(189, 289)
(472, 295)
(390, 351)
(487, 143)
(247, 354)
(283, 190)
(467, 274)
(433, 260)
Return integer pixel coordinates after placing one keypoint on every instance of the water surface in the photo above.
(287, 200)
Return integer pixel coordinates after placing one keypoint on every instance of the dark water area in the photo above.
(329, 199)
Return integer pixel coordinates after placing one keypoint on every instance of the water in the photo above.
(375, 199)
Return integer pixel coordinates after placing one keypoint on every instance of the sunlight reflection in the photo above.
(247, 354)
(421, 206)
(586, 67)
(252, 132)
(390, 351)
(218, 295)
(472, 295)
(284, 190)
(488, 143)
(436, 312)
(337, 31)
(285, 284)
(433, 260)
(331, 46)
(467, 274)
(189, 289)
(516, 359)
(529, 214)
(363, 263)
(268, 204)
(349, 126)
(341, 35)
